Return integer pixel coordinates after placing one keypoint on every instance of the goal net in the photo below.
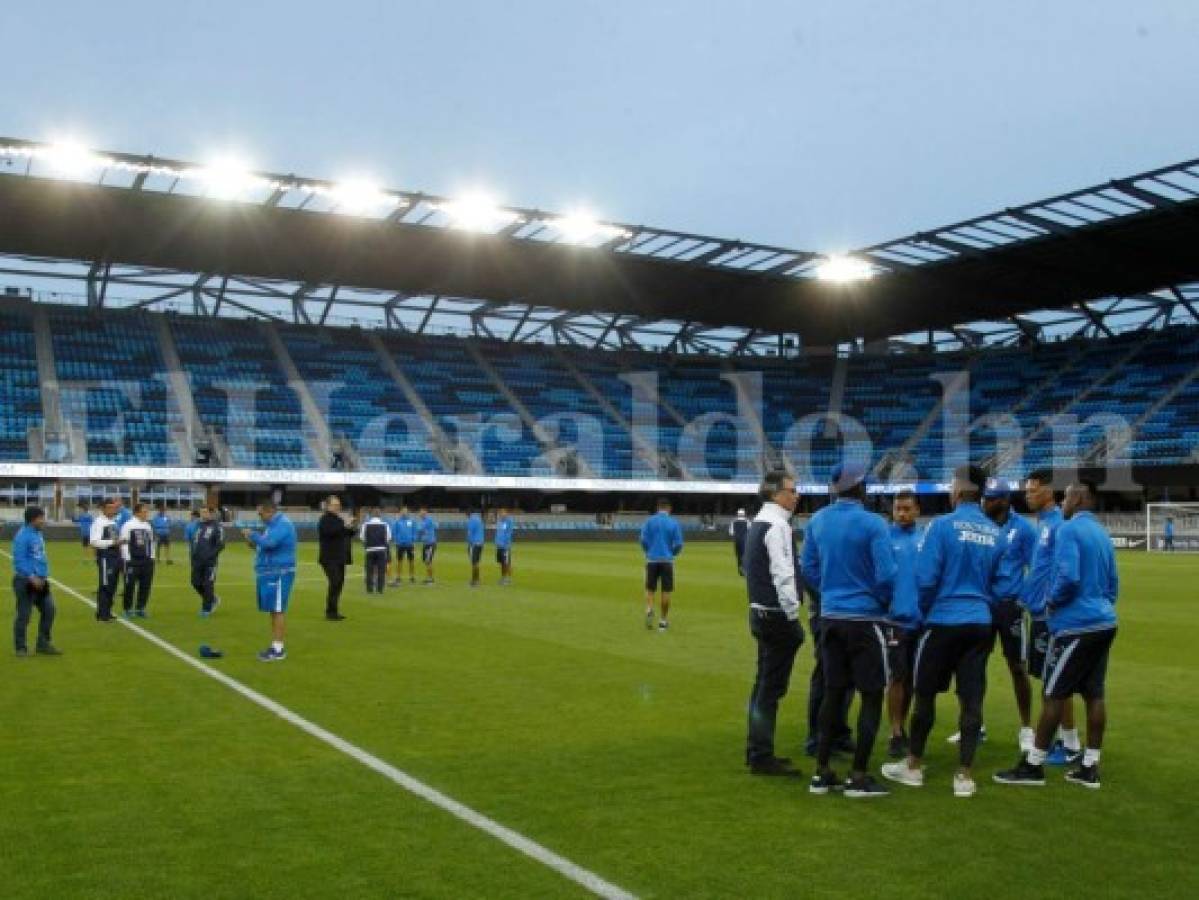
(1172, 527)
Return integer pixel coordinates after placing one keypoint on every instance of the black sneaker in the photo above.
(1025, 773)
(897, 747)
(334, 617)
(22, 651)
(864, 788)
(824, 783)
(1087, 776)
(775, 767)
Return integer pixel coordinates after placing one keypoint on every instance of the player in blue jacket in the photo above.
(275, 573)
(904, 617)
(31, 584)
(475, 538)
(160, 524)
(1081, 605)
(963, 571)
(1039, 495)
(427, 532)
(504, 529)
(847, 558)
(1008, 624)
(662, 541)
(403, 535)
(83, 521)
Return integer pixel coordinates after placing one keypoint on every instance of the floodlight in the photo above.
(70, 159)
(477, 212)
(844, 269)
(578, 228)
(359, 197)
(226, 179)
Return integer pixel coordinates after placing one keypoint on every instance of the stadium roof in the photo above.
(309, 250)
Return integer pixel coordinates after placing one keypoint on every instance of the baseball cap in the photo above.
(847, 475)
(996, 489)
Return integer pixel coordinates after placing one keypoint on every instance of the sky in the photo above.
(822, 126)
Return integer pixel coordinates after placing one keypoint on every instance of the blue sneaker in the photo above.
(270, 654)
(1058, 755)
(140, 613)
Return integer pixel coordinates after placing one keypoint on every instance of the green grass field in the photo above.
(549, 707)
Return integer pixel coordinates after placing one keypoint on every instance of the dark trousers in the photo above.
(739, 550)
(139, 577)
(841, 730)
(108, 569)
(29, 598)
(376, 571)
(779, 639)
(335, 574)
(204, 584)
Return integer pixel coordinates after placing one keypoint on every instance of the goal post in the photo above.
(1172, 527)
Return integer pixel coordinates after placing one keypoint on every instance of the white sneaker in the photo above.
(1028, 739)
(902, 773)
(963, 785)
(956, 737)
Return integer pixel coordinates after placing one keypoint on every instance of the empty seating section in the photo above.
(113, 387)
(359, 399)
(241, 392)
(20, 395)
(568, 411)
(468, 405)
(720, 446)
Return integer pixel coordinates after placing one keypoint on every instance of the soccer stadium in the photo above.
(496, 487)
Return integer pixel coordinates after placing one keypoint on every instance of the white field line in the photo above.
(505, 835)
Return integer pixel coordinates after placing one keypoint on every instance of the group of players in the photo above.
(902, 612)
(128, 543)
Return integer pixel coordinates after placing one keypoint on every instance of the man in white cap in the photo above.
(738, 531)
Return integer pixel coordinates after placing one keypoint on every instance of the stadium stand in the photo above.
(20, 398)
(113, 384)
(226, 359)
(1147, 378)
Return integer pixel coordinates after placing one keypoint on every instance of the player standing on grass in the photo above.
(376, 543)
(205, 547)
(428, 538)
(1038, 494)
(83, 519)
(403, 533)
(738, 531)
(1008, 616)
(106, 541)
(847, 557)
(475, 536)
(137, 556)
(31, 584)
(1082, 620)
(504, 530)
(963, 571)
(275, 573)
(774, 596)
(1168, 535)
(189, 530)
(161, 523)
(662, 541)
(904, 620)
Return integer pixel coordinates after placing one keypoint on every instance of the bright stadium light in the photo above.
(579, 228)
(477, 212)
(358, 197)
(227, 178)
(844, 269)
(71, 159)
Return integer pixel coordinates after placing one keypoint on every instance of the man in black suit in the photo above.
(334, 534)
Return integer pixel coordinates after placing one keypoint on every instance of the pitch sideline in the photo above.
(505, 835)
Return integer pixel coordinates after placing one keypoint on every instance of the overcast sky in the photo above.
(824, 126)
